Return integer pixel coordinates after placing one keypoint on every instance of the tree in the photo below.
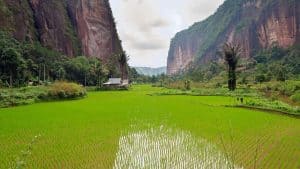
(97, 72)
(260, 78)
(77, 69)
(231, 55)
(123, 64)
(12, 62)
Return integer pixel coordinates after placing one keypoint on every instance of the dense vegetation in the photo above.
(271, 64)
(22, 63)
(32, 94)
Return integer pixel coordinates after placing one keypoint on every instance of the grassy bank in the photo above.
(10, 97)
(274, 96)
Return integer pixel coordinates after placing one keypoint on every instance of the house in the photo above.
(118, 82)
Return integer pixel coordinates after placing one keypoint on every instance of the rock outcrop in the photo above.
(253, 24)
(72, 27)
(95, 27)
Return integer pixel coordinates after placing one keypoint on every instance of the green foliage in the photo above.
(22, 63)
(187, 85)
(21, 96)
(277, 63)
(260, 78)
(28, 95)
(287, 88)
(272, 105)
(64, 90)
(296, 97)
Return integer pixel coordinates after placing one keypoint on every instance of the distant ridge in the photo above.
(151, 71)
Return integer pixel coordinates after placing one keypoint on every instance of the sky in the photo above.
(146, 27)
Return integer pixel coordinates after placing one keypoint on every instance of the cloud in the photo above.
(142, 45)
(160, 23)
(147, 26)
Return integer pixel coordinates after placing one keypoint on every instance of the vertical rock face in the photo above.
(54, 27)
(181, 54)
(96, 27)
(281, 25)
(72, 27)
(253, 24)
(17, 16)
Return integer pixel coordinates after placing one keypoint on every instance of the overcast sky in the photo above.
(147, 26)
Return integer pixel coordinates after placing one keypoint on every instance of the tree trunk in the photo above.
(99, 81)
(44, 73)
(10, 79)
(231, 79)
(39, 78)
(85, 79)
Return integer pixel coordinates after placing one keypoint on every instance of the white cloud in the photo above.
(147, 26)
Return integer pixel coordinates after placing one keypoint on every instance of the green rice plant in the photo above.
(86, 133)
(20, 162)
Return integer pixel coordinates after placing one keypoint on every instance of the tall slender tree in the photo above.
(123, 64)
(231, 54)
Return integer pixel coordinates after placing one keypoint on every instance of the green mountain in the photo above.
(151, 71)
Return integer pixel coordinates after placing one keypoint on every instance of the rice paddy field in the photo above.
(134, 129)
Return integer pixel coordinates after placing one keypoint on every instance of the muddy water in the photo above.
(161, 147)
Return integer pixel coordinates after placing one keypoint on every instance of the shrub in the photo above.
(21, 96)
(296, 97)
(187, 85)
(287, 88)
(28, 95)
(272, 105)
(65, 90)
(260, 78)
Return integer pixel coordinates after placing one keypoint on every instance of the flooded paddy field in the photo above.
(132, 129)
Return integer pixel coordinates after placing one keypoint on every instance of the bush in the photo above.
(28, 95)
(21, 96)
(296, 97)
(287, 88)
(65, 90)
(272, 105)
(187, 85)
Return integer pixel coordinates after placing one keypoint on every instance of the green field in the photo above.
(123, 129)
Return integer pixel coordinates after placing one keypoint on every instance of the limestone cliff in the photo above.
(95, 27)
(72, 27)
(254, 24)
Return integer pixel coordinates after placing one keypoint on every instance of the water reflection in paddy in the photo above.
(161, 147)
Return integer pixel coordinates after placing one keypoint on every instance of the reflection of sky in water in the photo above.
(157, 148)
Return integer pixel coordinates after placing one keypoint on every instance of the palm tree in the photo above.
(231, 54)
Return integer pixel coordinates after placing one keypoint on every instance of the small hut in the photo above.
(116, 82)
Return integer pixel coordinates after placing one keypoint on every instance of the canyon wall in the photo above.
(72, 27)
(253, 24)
